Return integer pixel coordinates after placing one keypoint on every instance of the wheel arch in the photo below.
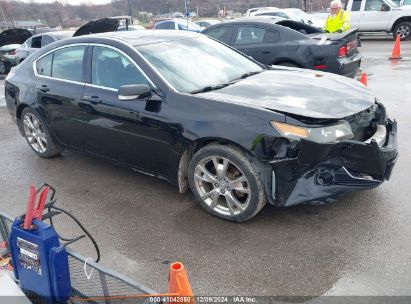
(192, 149)
(286, 60)
(19, 111)
(399, 20)
(260, 167)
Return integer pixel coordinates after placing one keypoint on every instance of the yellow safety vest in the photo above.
(340, 21)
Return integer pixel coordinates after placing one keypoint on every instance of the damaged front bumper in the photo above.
(322, 172)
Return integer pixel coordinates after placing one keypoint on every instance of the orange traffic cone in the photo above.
(178, 283)
(396, 51)
(363, 79)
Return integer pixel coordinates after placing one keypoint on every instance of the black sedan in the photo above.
(290, 43)
(188, 109)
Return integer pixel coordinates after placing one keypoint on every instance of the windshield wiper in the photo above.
(222, 85)
(210, 88)
(245, 75)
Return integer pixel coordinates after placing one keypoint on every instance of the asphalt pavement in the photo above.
(360, 245)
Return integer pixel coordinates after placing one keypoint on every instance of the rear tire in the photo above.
(38, 135)
(225, 183)
(403, 29)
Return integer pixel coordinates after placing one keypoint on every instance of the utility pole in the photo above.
(186, 9)
(129, 8)
(4, 17)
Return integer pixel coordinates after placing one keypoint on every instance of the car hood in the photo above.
(299, 92)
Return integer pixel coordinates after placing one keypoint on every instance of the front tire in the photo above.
(403, 29)
(225, 183)
(38, 135)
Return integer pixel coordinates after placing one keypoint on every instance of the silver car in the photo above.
(38, 41)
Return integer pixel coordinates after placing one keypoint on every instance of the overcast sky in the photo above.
(72, 2)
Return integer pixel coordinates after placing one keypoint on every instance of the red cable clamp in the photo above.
(32, 211)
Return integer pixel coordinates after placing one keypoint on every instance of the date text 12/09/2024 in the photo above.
(204, 299)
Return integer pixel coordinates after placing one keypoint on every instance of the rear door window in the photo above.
(68, 63)
(222, 33)
(46, 40)
(249, 35)
(36, 42)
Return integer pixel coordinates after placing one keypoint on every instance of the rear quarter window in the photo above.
(43, 65)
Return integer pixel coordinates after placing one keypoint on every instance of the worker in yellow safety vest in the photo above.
(338, 20)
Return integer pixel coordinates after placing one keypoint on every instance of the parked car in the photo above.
(252, 11)
(8, 57)
(403, 2)
(380, 16)
(177, 24)
(293, 14)
(290, 43)
(134, 27)
(207, 22)
(104, 25)
(199, 114)
(38, 41)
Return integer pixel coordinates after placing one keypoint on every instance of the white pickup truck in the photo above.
(380, 16)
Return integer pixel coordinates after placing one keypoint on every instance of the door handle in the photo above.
(266, 52)
(92, 99)
(43, 88)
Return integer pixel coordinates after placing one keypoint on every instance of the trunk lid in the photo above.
(102, 25)
(14, 36)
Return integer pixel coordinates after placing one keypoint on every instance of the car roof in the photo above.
(168, 20)
(136, 38)
(207, 20)
(261, 20)
(57, 34)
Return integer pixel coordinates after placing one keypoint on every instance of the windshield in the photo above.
(194, 63)
(299, 15)
(391, 3)
(191, 25)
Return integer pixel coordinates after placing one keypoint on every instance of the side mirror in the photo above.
(385, 7)
(134, 91)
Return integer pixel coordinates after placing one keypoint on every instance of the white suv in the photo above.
(380, 16)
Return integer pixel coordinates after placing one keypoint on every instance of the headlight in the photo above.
(330, 134)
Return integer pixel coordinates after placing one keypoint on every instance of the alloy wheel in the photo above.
(222, 185)
(35, 133)
(403, 31)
